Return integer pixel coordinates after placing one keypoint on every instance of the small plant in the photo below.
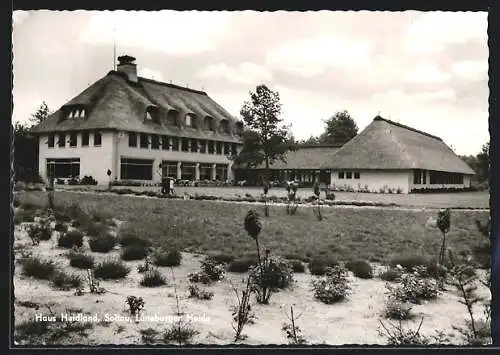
(360, 268)
(128, 239)
(319, 266)
(81, 261)
(111, 269)
(135, 304)
(103, 243)
(400, 336)
(297, 266)
(333, 287)
(149, 335)
(71, 239)
(96, 229)
(153, 278)
(147, 266)
(398, 310)
(443, 223)
(168, 258)
(38, 232)
(317, 205)
(93, 283)
(38, 268)
(413, 287)
(65, 281)
(390, 275)
(273, 274)
(291, 206)
(198, 293)
(211, 271)
(242, 312)
(292, 331)
(134, 252)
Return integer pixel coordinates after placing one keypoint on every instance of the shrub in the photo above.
(111, 269)
(134, 252)
(132, 239)
(88, 180)
(222, 258)
(39, 269)
(333, 287)
(360, 268)
(40, 231)
(319, 266)
(397, 310)
(135, 304)
(96, 229)
(153, 278)
(275, 274)
(241, 265)
(211, 271)
(66, 281)
(81, 261)
(198, 293)
(390, 275)
(297, 266)
(413, 288)
(61, 227)
(71, 239)
(24, 216)
(409, 262)
(103, 243)
(168, 258)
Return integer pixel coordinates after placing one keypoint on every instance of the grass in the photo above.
(64, 281)
(153, 278)
(344, 233)
(81, 261)
(111, 269)
(38, 268)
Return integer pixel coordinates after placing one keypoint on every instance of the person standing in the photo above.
(171, 186)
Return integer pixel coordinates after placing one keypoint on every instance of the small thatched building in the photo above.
(388, 156)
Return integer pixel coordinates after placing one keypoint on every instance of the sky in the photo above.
(427, 70)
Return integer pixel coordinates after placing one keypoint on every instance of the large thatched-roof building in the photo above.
(387, 156)
(130, 125)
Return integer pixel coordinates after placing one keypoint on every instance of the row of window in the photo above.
(348, 174)
(437, 178)
(73, 139)
(155, 141)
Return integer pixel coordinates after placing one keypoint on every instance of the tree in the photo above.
(483, 162)
(339, 129)
(267, 138)
(40, 115)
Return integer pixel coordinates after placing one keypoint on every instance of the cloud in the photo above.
(471, 69)
(427, 73)
(173, 32)
(245, 73)
(312, 56)
(150, 74)
(432, 31)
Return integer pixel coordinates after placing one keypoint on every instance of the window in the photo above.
(175, 144)
(188, 171)
(227, 148)
(164, 143)
(417, 176)
(348, 175)
(172, 118)
(221, 172)
(132, 139)
(97, 139)
(194, 146)
(144, 140)
(341, 175)
(81, 113)
(356, 174)
(188, 121)
(71, 114)
(234, 149)
(211, 147)
(73, 138)
(208, 124)
(205, 172)
(63, 168)
(185, 145)
(148, 116)
(239, 129)
(61, 142)
(203, 146)
(445, 178)
(136, 169)
(224, 126)
(169, 169)
(219, 147)
(51, 140)
(85, 139)
(424, 177)
(155, 141)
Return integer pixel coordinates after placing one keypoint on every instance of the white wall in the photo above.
(123, 150)
(94, 161)
(374, 180)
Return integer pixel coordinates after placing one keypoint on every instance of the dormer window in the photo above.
(224, 126)
(81, 113)
(188, 121)
(148, 116)
(151, 114)
(172, 118)
(239, 129)
(71, 114)
(76, 113)
(208, 124)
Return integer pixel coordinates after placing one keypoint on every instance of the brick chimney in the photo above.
(127, 66)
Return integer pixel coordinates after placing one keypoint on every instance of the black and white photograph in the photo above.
(228, 178)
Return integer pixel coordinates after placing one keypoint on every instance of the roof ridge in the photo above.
(378, 118)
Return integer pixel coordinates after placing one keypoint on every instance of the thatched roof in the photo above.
(387, 145)
(115, 103)
(305, 157)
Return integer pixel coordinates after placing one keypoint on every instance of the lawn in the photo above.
(375, 234)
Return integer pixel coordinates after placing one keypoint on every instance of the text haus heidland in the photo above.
(132, 125)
